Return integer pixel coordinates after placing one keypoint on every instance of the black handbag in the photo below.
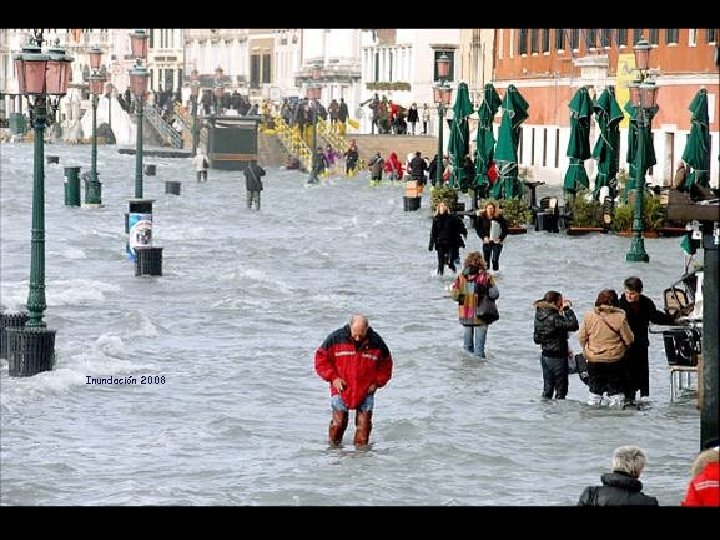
(487, 310)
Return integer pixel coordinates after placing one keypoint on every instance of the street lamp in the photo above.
(194, 90)
(93, 188)
(442, 94)
(138, 82)
(43, 79)
(643, 96)
(313, 94)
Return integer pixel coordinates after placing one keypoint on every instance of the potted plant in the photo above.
(586, 214)
(443, 193)
(654, 217)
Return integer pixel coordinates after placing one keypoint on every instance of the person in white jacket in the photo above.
(201, 165)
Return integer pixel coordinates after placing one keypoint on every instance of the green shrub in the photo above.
(654, 215)
(584, 213)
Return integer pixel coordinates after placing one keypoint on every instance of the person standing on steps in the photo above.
(355, 361)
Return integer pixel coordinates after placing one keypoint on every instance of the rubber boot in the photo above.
(338, 424)
(363, 426)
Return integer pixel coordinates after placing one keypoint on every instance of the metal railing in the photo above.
(168, 134)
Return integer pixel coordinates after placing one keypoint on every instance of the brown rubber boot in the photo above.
(363, 426)
(338, 424)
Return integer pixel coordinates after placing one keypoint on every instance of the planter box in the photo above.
(579, 231)
(672, 232)
(517, 230)
(646, 234)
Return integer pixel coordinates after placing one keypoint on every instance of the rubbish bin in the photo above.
(52, 159)
(10, 320)
(411, 203)
(72, 186)
(148, 261)
(173, 187)
(150, 169)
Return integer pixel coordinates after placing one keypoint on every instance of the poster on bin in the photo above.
(140, 226)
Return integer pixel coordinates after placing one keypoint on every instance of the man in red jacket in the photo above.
(356, 362)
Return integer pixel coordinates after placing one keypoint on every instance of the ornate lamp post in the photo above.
(43, 79)
(194, 90)
(442, 94)
(138, 82)
(313, 94)
(93, 188)
(643, 95)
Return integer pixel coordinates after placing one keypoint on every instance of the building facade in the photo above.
(549, 65)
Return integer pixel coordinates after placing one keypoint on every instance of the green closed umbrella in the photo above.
(697, 148)
(646, 161)
(608, 116)
(459, 142)
(485, 141)
(514, 113)
(578, 151)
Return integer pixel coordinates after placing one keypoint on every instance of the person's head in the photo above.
(490, 209)
(629, 460)
(554, 298)
(607, 297)
(474, 262)
(358, 326)
(633, 288)
(442, 208)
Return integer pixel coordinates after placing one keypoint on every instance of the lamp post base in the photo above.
(637, 251)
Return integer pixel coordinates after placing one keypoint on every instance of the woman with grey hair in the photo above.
(620, 487)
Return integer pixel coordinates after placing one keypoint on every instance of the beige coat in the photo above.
(598, 340)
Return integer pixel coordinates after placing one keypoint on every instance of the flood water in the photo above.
(239, 416)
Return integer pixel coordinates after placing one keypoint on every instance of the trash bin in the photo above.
(148, 261)
(10, 320)
(52, 159)
(150, 169)
(72, 186)
(411, 203)
(173, 187)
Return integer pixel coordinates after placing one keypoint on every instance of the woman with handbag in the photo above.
(475, 292)
(605, 335)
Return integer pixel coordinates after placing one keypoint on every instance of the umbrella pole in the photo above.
(440, 167)
(637, 245)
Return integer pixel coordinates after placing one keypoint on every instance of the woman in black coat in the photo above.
(445, 237)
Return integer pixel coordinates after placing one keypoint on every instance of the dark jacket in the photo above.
(445, 231)
(432, 170)
(253, 172)
(482, 225)
(641, 316)
(418, 168)
(552, 327)
(618, 489)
